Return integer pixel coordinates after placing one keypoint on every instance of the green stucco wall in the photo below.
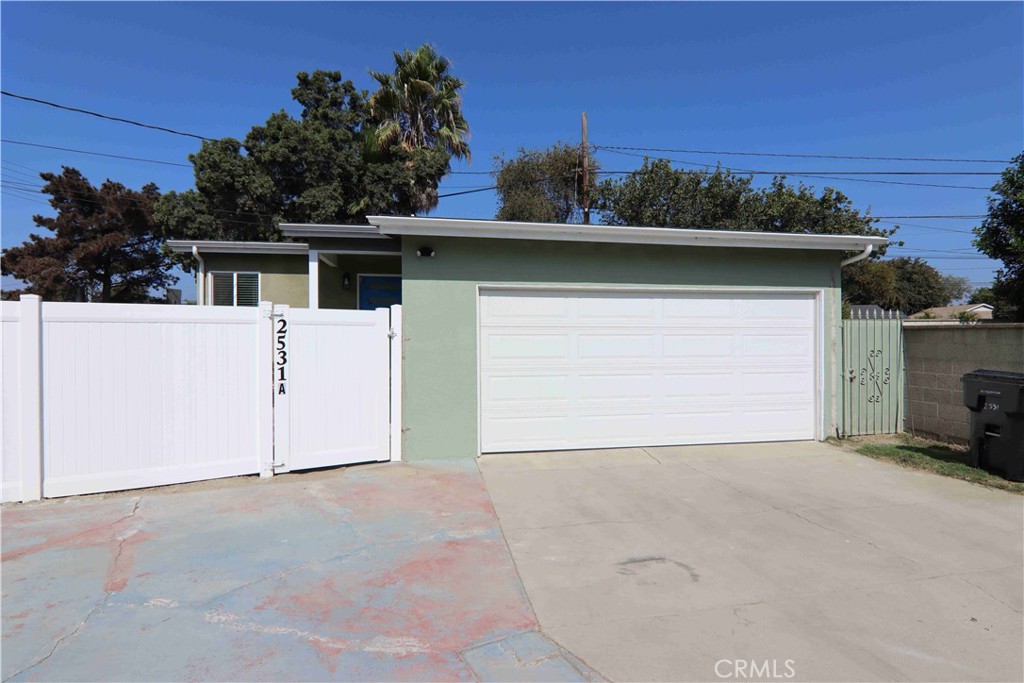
(439, 311)
(284, 278)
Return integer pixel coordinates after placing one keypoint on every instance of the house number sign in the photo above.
(281, 357)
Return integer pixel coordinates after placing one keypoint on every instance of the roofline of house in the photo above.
(329, 230)
(459, 227)
(219, 247)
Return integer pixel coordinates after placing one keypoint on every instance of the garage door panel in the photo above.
(798, 383)
(625, 385)
(698, 307)
(604, 309)
(697, 346)
(797, 346)
(577, 373)
(519, 306)
(614, 346)
(530, 346)
(513, 388)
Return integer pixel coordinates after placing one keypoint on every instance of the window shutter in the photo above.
(248, 289)
(223, 289)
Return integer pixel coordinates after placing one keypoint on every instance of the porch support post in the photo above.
(314, 278)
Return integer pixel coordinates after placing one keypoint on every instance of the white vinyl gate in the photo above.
(105, 397)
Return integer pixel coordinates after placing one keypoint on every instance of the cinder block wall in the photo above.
(938, 356)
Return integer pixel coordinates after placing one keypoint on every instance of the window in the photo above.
(235, 289)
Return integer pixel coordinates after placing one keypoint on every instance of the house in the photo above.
(536, 336)
(976, 311)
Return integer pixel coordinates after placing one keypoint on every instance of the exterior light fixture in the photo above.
(346, 281)
(428, 252)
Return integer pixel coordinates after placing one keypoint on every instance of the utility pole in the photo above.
(586, 174)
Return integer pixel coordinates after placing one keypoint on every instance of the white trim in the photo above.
(820, 318)
(216, 247)
(329, 230)
(313, 281)
(357, 252)
(328, 260)
(396, 382)
(453, 227)
(359, 279)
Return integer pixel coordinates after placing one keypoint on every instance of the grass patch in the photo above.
(949, 462)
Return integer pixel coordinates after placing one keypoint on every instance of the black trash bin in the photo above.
(996, 401)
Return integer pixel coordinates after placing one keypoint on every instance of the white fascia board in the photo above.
(218, 247)
(454, 227)
(327, 230)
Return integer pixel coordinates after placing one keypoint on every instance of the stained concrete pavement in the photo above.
(684, 564)
(384, 572)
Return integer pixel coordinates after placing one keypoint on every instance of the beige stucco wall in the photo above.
(284, 278)
(937, 357)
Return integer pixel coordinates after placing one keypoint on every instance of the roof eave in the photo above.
(328, 230)
(444, 227)
(227, 247)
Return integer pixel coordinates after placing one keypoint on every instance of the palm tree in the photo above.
(419, 105)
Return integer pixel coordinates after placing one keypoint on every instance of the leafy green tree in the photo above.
(661, 196)
(104, 247)
(1001, 236)
(658, 195)
(871, 282)
(1002, 307)
(542, 185)
(904, 284)
(957, 288)
(317, 168)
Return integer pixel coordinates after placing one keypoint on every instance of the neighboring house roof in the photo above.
(219, 247)
(458, 227)
(940, 312)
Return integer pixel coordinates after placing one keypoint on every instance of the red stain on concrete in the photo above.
(316, 601)
(123, 562)
(437, 596)
(327, 652)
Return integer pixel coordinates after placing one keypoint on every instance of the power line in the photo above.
(747, 171)
(802, 156)
(456, 194)
(98, 154)
(105, 116)
(963, 215)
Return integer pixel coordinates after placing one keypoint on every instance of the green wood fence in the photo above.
(872, 375)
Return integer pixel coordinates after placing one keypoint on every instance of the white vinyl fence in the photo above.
(104, 397)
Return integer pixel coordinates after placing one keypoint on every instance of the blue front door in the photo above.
(379, 291)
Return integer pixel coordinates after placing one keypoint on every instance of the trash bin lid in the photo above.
(1004, 376)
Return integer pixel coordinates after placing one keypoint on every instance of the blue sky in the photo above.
(928, 79)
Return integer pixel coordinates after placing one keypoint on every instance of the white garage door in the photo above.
(575, 369)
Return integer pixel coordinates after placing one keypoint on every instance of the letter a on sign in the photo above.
(280, 389)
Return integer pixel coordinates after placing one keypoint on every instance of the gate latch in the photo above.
(392, 334)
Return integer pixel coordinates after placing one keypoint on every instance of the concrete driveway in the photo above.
(787, 561)
(377, 573)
